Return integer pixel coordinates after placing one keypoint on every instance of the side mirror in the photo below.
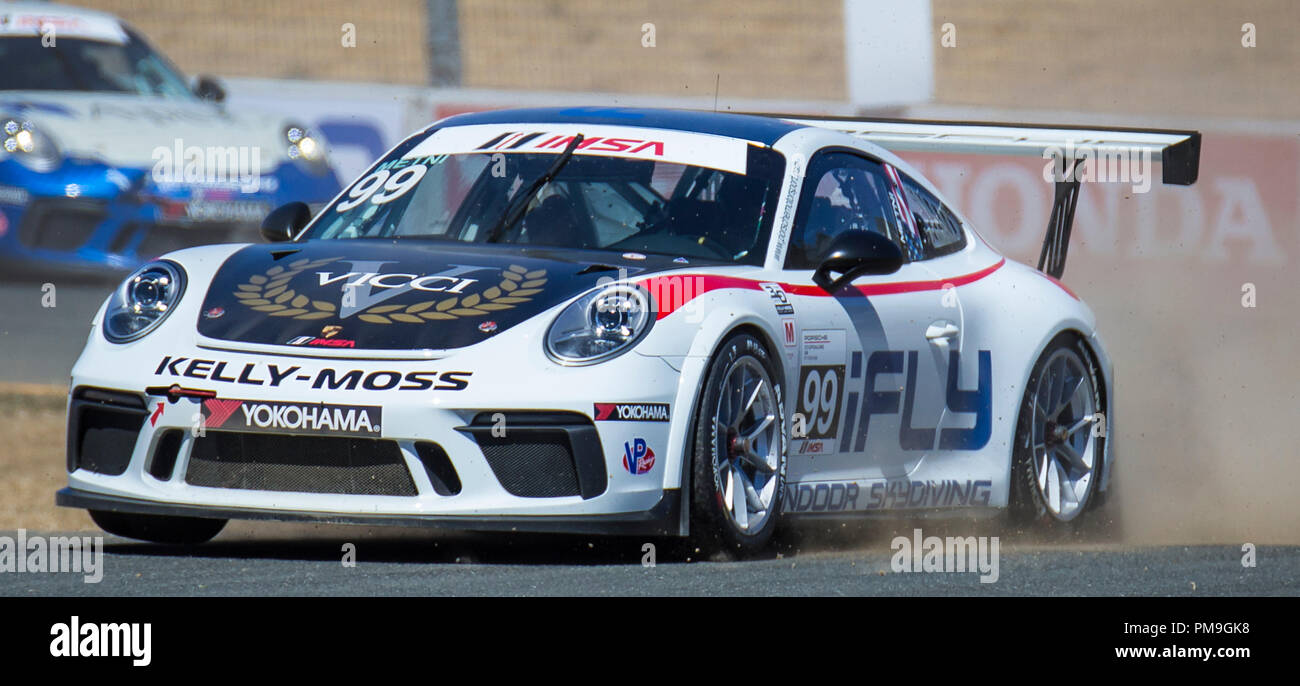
(285, 221)
(209, 88)
(857, 253)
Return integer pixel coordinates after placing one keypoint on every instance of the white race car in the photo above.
(609, 320)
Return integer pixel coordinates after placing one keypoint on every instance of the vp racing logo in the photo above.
(638, 458)
(364, 290)
(276, 417)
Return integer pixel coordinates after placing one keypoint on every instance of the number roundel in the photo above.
(819, 399)
(383, 186)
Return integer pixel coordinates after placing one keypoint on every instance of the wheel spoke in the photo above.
(1054, 486)
(757, 462)
(1042, 472)
(1068, 398)
(737, 395)
(1063, 396)
(758, 428)
(729, 491)
(1086, 420)
(1067, 490)
(738, 507)
(1055, 382)
(751, 495)
(1071, 456)
(749, 405)
(769, 488)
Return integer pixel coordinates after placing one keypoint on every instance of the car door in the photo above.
(872, 358)
(968, 417)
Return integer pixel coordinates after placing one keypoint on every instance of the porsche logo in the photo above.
(270, 293)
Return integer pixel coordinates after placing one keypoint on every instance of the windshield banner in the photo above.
(61, 25)
(631, 142)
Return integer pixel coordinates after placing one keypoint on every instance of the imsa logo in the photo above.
(274, 417)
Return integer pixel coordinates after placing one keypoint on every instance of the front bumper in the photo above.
(661, 520)
(546, 412)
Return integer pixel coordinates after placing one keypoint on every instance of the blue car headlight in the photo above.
(26, 143)
(306, 148)
(601, 324)
(143, 301)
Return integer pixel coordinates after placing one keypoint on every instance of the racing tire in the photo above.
(738, 461)
(158, 528)
(1057, 455)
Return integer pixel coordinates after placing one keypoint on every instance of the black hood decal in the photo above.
(396, 295)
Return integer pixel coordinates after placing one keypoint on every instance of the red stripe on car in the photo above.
(672, 292)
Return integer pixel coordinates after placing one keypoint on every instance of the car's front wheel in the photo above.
(739, 456)
(1057, 462)
(158, 528)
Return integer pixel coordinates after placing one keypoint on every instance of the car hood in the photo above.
(395, 295)
(126, 130)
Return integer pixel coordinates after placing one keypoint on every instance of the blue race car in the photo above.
(109, 157)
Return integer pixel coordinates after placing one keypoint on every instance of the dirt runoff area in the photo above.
(32, 458)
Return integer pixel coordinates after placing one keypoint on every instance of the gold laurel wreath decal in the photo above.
(270, 293)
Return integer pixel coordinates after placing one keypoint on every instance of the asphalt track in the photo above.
(286, 560)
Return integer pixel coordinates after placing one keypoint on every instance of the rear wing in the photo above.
(1179, 153)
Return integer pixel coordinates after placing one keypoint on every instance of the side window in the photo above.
(842, 192)
(940, 229)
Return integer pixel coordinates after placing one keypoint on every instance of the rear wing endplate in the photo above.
(1179, 153)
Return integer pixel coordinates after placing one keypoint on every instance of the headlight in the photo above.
(143, 301)
(599, 325)
(306, 148)
(28, 144)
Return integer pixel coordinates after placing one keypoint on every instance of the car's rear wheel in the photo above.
(1058, 456)
(739, 455)
(158, 528)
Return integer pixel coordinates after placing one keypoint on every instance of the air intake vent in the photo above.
(60, 223)
(164, 457)
(542, 454)
(439, 468)
(103, 426)
(537, 466)
(301, 464)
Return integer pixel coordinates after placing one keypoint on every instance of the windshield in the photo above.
(81, 64)
(622, 204)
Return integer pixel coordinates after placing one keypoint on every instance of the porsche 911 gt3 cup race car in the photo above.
(109, 157)
(609, 320)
